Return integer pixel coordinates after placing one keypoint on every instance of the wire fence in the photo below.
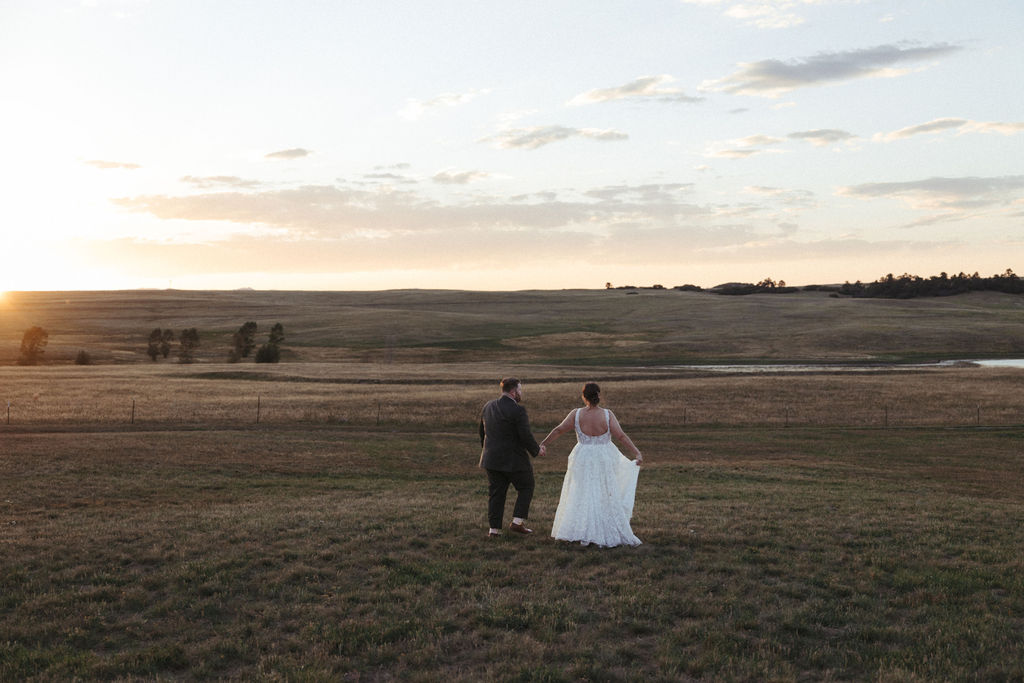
(261, 409)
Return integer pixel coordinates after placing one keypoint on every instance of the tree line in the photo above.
(905, 286)
(908, 286)
(242, 344)
(35, 339)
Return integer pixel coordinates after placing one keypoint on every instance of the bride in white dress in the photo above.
(600, 482)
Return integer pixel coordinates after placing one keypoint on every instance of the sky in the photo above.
(485, 145)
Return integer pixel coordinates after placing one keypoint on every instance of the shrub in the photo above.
(268, 353)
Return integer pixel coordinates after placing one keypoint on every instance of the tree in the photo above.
(244, 341)
(33, 345)
(268, 353)
(153, 348)
(189, 341)
(83, 358)
(159, 343)
(165, 343)
(276, 334)
(271, 351)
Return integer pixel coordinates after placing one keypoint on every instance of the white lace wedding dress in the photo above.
(597, 493)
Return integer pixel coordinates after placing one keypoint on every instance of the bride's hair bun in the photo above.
(592, 393)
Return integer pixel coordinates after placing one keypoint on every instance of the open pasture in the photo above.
(449, 396)
(327, 552)
(323, 519)
(569, 327)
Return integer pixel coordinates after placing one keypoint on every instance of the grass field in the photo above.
(571, 327)
(797, 527)
(330, 553)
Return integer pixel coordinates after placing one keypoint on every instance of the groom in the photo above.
(507, 442)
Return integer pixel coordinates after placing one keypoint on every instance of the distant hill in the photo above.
(647, 327)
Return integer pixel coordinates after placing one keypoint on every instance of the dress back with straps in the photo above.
(601, 438)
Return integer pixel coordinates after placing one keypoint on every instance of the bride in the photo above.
(600, 482)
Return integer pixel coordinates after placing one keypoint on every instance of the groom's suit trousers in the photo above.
(498, 483)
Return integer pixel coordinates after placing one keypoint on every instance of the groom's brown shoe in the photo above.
(519, 528)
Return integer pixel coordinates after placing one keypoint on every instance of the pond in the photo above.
(848, 367)
(1001, 363)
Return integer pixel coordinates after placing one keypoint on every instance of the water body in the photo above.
(846, 367)
(1002, 363)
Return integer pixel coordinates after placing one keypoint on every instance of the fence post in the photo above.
(979, 416)
(258, 397)
(133, 411)
(8, 412)
(887, 416)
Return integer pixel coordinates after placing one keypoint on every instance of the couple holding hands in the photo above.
(599, 487)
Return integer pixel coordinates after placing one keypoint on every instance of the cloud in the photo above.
(414, 108)
(772, 77)
(539, 136)
(743, 147)
(296, 153)
(389, 178)
(650, 88)
(330, 212)
(822, 137)
(458, 177)
(792, 198)
(996, 127)
(945, 194)
(107, 165)
(208, 182)
(766, 14)
(644, 194)
(961, 125)
(936, 126)
(328, 229)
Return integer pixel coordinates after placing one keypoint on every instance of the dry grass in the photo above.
(788, 535)
(332, 553)
(577, 327)
(447, 396)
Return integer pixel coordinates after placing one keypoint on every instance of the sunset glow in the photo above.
(476, 145)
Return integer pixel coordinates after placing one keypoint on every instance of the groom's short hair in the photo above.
(508, 384)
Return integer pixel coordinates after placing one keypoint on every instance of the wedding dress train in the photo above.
(598, 492)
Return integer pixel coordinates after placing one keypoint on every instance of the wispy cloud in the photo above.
(108, 165)
(458, 177)
(791, 198)
(945, 194)
(414, 108)
(538, 136)
(328, 211)
(296, 153)
(649, 88)
(772, 77)
(743, 147)
(822, 137)
(997, 127)
(208, 182)
(960, 125)
(387, 177)
(767, 14)
(323, 228)
(655, 193)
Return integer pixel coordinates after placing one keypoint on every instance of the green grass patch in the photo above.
(769, 554)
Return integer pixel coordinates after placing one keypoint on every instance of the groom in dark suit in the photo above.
(507, 444)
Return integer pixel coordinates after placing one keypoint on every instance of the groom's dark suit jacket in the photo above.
(506, 437)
